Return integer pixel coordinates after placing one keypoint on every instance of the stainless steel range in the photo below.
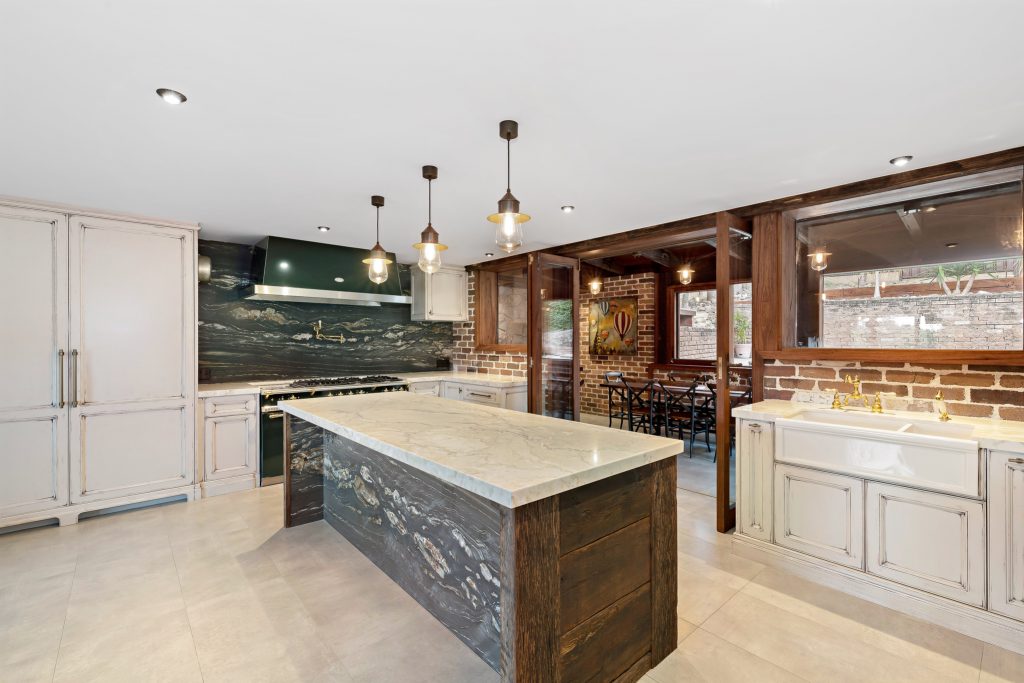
(271, 417)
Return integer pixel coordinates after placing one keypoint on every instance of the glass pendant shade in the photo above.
(378, 264)
(429, 246)
(685, 275)
(595, 286)
(819, 260)
(430, 258)
(508, 232)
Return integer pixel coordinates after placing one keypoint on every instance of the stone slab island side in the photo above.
(547, 546)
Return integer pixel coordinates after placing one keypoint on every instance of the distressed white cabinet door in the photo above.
(33, 334)
(820, 514)
(1006, 533)
(132, 291)
(931, 541)
(754, 479)
(230, 446)
(452, 390)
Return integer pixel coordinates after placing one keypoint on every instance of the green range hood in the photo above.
(311, 272)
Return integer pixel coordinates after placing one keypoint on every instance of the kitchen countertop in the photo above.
(509, 457)
(206, 390)
(1002, 435)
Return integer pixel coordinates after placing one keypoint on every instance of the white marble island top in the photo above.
(509, 457)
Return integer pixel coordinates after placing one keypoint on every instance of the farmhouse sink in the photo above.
(918, 452)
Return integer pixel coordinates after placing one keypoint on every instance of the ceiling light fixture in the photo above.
(429, 247)
(900, 162)
(323, 228)
(952, 245)
(685, 274)
(819, 259)
(568, 208)
(595, 286)
(509, 233)
(378, 259)
(489, 254)
(171, 96)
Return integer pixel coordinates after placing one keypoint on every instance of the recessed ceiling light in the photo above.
(568, 208)
(284, 265)
(900, 162)
(489, 254)
(171, 96)
(952, 245)
(323, 228)
(929, 209)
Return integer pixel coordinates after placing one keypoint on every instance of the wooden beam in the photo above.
(605, 265)
(659, 256)
(910, 222)
(765, 288)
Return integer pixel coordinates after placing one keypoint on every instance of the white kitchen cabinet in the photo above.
(931, 541)
(1006, 533)
(441, 296)
(98, 362)
(229, 443)
(756, 449)
(511, 398)
(431, 388)
(33, 337)
(820, 514)
(132, 337)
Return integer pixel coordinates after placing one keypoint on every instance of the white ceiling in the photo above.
(638, 112)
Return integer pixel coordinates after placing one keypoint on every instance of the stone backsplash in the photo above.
(242, 340)
(994, 391)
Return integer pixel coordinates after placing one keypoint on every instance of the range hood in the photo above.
(311, 272)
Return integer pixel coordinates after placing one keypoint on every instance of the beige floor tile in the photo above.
(701, 596)
(156, 649)
(684, 629)
(705, 657)
(809, 649)
(31, 623)
(945, 651)
(999, 665)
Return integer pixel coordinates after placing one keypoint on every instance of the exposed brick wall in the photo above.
(465, 356)
(971, 390)
(594, 399)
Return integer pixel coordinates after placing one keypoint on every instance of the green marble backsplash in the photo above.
(241, 340)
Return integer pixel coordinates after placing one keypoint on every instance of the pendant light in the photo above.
(378, 259)
(509, 232)
(819, 259)
(429, 247)
(595, 286)
(685, 274)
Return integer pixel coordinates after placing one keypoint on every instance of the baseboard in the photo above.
(69, 514)
(970, 621)
(219, 487)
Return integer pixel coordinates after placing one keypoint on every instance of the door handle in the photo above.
(1016, 461)
(74, 378)
(275, 416)
(60, 377)
(755, 428)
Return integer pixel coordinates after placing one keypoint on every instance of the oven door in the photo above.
(271, 446)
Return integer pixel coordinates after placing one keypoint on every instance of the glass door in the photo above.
(732, 386)
(553, 345)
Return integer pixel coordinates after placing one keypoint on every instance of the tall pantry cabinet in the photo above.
(98, 362)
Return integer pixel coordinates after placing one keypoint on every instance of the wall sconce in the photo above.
(819, 259)
(595, 286)
(685, 274)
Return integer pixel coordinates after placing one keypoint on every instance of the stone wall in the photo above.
(594, 399)
(465, 355)
(994, 391)
(976, 321)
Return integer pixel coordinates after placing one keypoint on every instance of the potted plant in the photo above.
(741, 331)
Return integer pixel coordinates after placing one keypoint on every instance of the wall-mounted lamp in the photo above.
(595, 286)
(685, 274)
(819, 259)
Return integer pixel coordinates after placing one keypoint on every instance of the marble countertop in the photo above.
(509, 457)
(207, 390)
(1002, 435)
(480, 378)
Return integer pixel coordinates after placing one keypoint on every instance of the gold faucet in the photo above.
(856, 395)
(876, 407)
(836, 403)
(943, 413)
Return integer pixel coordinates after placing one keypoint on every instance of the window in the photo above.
(696, 324)
(933, 267)
(501, 309)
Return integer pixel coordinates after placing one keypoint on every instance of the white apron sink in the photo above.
(914, 451)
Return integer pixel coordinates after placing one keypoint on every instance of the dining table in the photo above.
(739, 394)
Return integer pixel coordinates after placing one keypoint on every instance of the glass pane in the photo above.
(939, 270)
(557, 351)
(697, 326)
(736, 387)
(512, 297)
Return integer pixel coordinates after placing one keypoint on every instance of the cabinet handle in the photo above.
(74, 378)
(275, 416)
(755, 428)
(481, 395)
(430, 312)
(60, 373)
(1016, 461)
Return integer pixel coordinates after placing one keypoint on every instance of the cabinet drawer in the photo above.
(425, 388)
(820, 514)
(926, 540)
(490, 397)
(218, 406)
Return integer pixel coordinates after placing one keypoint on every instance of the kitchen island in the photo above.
(547, 546)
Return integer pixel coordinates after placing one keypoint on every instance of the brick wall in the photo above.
(594, 399)
(970, 390)
(465, 357)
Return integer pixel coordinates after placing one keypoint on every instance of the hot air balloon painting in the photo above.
(613, 324)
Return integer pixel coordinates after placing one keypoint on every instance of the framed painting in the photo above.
(613, 324)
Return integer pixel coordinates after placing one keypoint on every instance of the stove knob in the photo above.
(292, 397)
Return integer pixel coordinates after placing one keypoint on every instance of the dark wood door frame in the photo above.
(535, 348)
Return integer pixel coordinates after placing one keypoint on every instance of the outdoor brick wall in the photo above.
(990, 321)
(994, 391)
(465, 357)
(594, 399)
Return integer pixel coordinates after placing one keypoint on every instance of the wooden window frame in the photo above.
(668, 320)
(485, 308)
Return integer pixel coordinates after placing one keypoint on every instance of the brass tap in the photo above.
(943, 413)
(876, 407)
(856, 395)
(836, 403)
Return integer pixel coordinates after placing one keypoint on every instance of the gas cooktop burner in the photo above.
(344, 381)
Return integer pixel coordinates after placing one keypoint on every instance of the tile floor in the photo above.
(216, 590)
